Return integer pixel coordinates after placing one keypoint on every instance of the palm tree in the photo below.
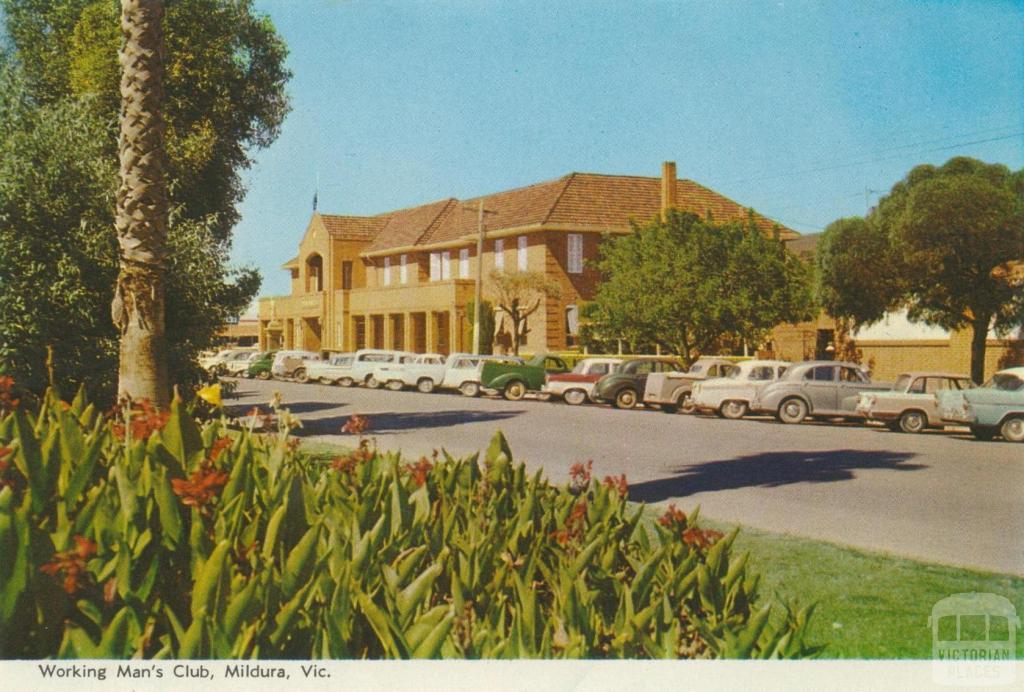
(141, 220)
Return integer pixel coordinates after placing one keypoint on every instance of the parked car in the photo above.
(577, 387)
(463, 373)
(239, 366)
(514, 380)
(214, 365)
(913, 403)
(672, 390)
(816, 388)
(360, 369)
(730, 396)
(625, 387)
(425, 374)
(324, 371)
(390, 374)
(997, 407)
(260, 368)
(292, 363)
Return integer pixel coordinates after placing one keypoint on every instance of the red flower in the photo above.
(701, 538)
(143, 420)
(356, 425)
(575, 523)
(580, 473)
(618, 484)
(673, 518)
(7, 399)
(71, 564)
(420, 470)
(219, 445)
(201, 487)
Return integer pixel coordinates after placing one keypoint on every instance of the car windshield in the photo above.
(1005, 382)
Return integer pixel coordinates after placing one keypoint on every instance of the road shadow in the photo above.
(403, 422)
(770, 470)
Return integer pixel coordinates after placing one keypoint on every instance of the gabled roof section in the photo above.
(411, 226)
(293, 263)
(352, 227)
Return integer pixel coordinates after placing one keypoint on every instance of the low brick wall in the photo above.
(887, 359)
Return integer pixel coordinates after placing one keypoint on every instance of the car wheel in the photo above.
(469, 389)
(984, 434)
(792, 410)
(300, 376)
(394, 385)
(264, 375)
(686, 404)
(913, 422)
(514, 390)
(1013, 429)
(326, 380)
(346, 382)
(733, 410)
(575, 397)
(893, 425)
(426, 385)
(669, 408)
(372, 382)
(626, 398)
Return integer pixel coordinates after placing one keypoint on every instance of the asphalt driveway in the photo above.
(940, 497)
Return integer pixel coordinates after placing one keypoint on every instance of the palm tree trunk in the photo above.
(141, 220)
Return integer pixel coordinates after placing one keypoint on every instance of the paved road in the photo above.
(940, 497)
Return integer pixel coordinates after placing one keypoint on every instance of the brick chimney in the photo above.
(668, 186)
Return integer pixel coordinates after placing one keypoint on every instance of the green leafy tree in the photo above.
(486, 324)
(59, 97)
(686, 284)
(945, 244)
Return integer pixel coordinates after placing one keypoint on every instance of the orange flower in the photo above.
(7, 399)
(219, 445)
(701, 539)
(143, 420)
(673, 518)
(420, 470)
(618, 484)
(71, 564)
(201, 487)
(574, 525)
(356, 425)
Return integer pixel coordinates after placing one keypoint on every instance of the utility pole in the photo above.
(478, 289)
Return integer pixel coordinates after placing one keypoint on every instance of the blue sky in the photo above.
(805, 111)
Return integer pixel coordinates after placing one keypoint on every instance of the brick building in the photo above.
(403, 279)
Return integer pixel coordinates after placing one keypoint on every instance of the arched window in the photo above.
(314, 273)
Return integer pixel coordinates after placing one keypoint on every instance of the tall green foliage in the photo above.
(687, 284)
(487, 324)
(59, 99)
(942, 244)
(157, 537)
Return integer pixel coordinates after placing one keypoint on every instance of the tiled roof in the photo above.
(578, 199)
(353, 227)
(805, 245)
(410, 226)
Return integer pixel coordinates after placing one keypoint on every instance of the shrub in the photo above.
(149, 534)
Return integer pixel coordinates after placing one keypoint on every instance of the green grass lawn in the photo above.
(868, 605)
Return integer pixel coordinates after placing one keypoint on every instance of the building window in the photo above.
(464, 263)
(499, 254)
(403, 271)
(572, 324)
(387, 271)
(575, 253)
(521, 252)
(435, 266)
(346, 275)
(446, 265)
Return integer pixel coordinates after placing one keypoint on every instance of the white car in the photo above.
(360, 369)
(730, 396)
(325, 371)
(463, 371)
(411, 371)
(577, 387)
(238, 366)
(213, 364)
(292, 364)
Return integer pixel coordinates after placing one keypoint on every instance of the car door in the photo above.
(819, 387)
(851, 382)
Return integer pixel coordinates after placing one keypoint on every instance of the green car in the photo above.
(514, 381)
(261, 366)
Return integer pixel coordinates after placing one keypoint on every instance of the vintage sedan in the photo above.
(673, 390)
(215, 364)
(324, 371)
(260, 368)
(817, 388)
(293, 364)
(426, 374)
(359, 369)
(624, 387)
(577, 387)
(239, 366)
(730, 396)
(394, 375)
(463, 373)
(997, 407)
(912, 405)
(514, 380)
